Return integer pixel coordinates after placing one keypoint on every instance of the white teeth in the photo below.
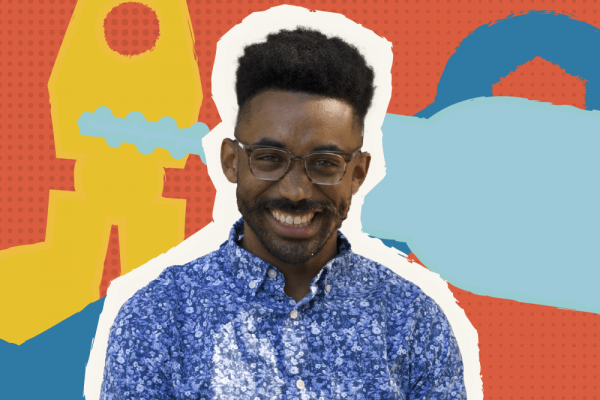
(296, 221)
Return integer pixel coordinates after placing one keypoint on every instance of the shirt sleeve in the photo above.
(138, 359)
(432, 367)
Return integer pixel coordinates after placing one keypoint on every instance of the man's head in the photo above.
(306, 61)
(301, 92)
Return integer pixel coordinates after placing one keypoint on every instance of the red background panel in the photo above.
(131, 28)
(527, 351)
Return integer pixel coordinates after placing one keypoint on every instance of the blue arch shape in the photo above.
(493, 51)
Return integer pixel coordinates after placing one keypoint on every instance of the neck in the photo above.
(297, 276)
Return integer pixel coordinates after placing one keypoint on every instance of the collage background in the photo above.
(527, 351)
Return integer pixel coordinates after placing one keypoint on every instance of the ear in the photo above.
(229, 159)
(359, 173)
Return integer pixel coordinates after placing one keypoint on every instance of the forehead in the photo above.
(299, 120)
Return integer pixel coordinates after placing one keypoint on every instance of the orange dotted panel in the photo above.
(131, 28)
(194, 185)
(527, 351)
(30, 38)
(543, 81)
(112, 263)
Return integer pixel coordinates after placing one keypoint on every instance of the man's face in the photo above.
(294, 218)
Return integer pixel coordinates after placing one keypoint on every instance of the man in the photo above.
(284, 309)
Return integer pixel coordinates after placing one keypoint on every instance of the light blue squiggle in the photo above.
(145, 135)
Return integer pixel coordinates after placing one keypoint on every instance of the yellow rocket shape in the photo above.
(44, 283)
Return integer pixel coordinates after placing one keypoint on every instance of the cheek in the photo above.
(339, 194)
(249, 186)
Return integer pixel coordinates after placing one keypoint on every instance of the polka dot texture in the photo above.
(542, 81)
(30, 37)
(131, 29)
(194, 185)
(535, 353)
(112, 263)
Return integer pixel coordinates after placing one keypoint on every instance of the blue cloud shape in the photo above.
(499, 195)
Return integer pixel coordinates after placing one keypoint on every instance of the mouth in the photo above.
(294, 225)
(293, 220)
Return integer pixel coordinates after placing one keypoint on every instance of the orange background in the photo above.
(526, 351)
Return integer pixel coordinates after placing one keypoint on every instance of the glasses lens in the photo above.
(269, 163)
(325, 168)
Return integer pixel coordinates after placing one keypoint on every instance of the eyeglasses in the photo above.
(272, 163)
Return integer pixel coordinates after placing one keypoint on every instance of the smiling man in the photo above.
(285, 309)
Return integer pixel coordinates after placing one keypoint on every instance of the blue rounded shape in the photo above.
(104, 112)
(136, 117)
(168, 124)
(177, 153)
(145, 148)
(112, 142)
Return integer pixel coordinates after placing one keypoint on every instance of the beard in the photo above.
(293, 251)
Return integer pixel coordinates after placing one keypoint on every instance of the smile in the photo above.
(293, 220)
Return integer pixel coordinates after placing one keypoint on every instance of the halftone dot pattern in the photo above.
(519, 361)
(193, 184)
(528, 351)
(30, 37)
(534, 352)
(131, 29)
(542, 81)
(112, 262)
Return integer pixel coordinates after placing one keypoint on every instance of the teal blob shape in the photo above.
(499, 196)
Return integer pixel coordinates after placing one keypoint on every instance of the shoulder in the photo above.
(403, 296)
(162, 296)
(375, 276)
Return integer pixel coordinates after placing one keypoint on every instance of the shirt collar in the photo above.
(247, 268)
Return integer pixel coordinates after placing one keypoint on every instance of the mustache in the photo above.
(305, 205)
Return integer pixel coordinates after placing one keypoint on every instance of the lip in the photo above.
(291, 232)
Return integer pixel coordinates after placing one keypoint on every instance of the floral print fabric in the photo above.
(221, 327)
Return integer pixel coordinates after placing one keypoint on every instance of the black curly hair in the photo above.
(305, 60)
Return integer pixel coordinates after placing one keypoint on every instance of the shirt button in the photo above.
(294, 315)
(328, 288)
(252, 285)
(300, 384)
(272, 273)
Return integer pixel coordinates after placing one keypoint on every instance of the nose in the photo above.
(296, 185)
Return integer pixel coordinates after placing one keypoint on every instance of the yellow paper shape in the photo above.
(44, 283)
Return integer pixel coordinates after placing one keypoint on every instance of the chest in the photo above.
(328, 350)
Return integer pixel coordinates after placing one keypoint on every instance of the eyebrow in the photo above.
(269, 142)
(274, 143)
(329, 147)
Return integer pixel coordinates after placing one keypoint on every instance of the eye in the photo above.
(268, 158)
(324, 163)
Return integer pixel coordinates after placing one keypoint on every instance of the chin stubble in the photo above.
(297, 251)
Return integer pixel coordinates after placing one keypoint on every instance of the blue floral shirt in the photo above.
(221, 327)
